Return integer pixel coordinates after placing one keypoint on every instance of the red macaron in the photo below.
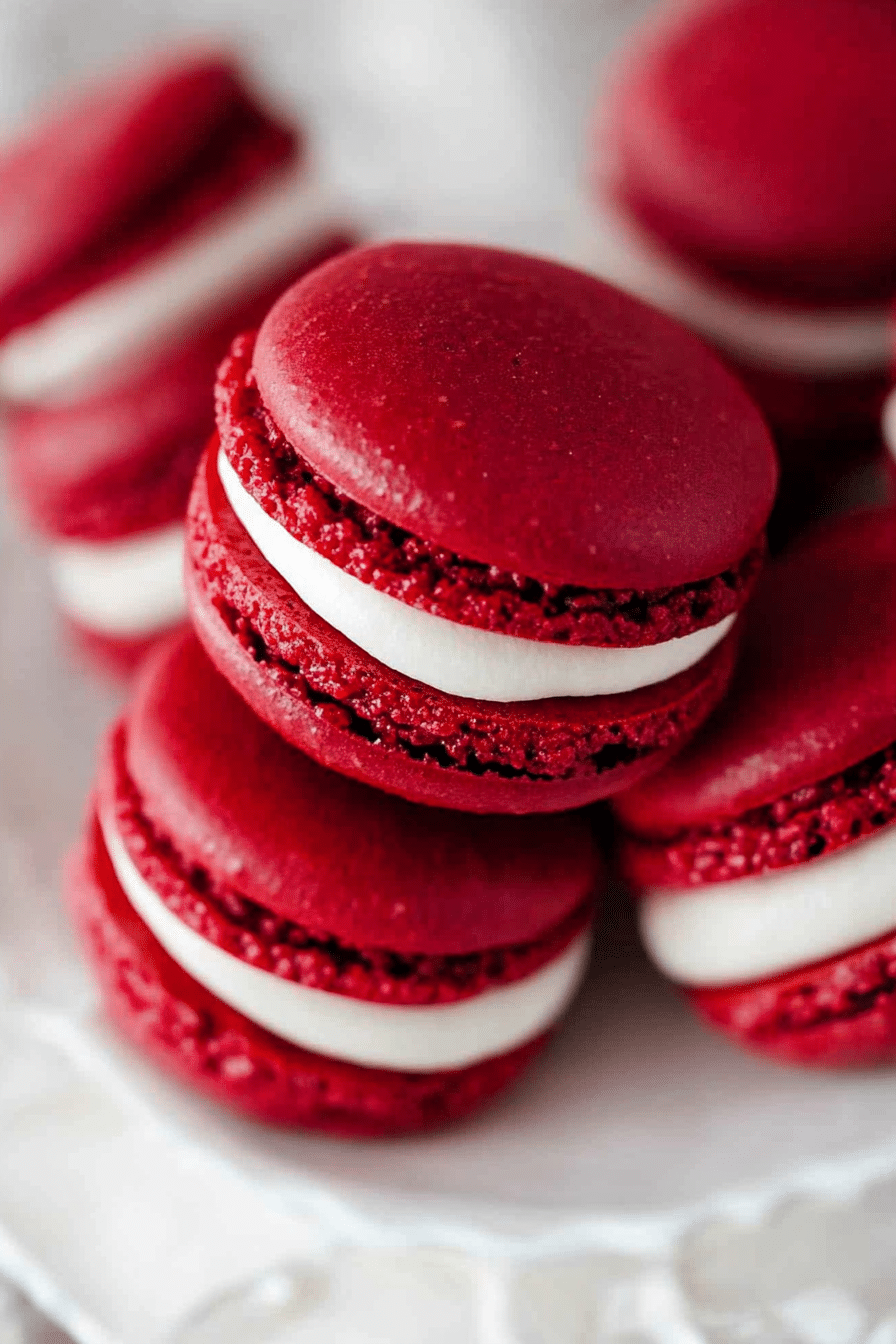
(764, 854)
(157, 213)
(745, 180)
(303, 948)
(477, 527)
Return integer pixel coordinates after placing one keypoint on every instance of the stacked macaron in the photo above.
(477, 527)
(148, 220)
(765, 854)
(745, 181)
(303, 948)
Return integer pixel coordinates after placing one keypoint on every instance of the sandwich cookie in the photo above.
(477, 527)
(764, 856)
(744, 181)
(305, 949)
(156, 214)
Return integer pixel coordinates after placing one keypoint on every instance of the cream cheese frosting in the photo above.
(128, 587)
(242, 245)
(823, 342)
(728, 933)
(456, 659)
(425, 1039)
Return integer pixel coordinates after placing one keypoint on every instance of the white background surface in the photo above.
(128, 1208)
(452, 116)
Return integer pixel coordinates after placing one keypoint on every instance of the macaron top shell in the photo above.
(113, 151)
(519, 413)
(759, 137)
(814, 692)
(332, 855)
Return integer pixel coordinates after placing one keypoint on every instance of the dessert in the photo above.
(303, 948)
(743, 181)
(156, 214)
(477, 527)
(764, 855)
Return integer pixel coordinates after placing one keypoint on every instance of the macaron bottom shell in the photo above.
(313, 686)
(210, 1046)
(838, 1013)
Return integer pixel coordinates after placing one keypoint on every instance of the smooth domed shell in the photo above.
(519, 413)
(330, 854)
(759, 137)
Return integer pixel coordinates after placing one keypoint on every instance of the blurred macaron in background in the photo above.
(741, 177)
(157, 212)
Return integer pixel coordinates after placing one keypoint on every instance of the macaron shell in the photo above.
(813, 692)
(310, 509)
(216, 910)
(520, 413)
(836, 1014)
(758, 137)
(213, 1048)
(267, 642)
(334, 856)
(817, 819)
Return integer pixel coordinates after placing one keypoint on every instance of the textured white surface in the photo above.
(457, 659)
(136, 1213)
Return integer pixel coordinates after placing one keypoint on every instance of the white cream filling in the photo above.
(129, 587)
(221, 259)
(823, 341)
(423, 1039)
(888, 424)
(454, 658)
(730, 933)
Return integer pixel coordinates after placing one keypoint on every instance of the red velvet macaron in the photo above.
(303, 948)
(745, 180)
(477, 528)
(156, 214)
(765, 854)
